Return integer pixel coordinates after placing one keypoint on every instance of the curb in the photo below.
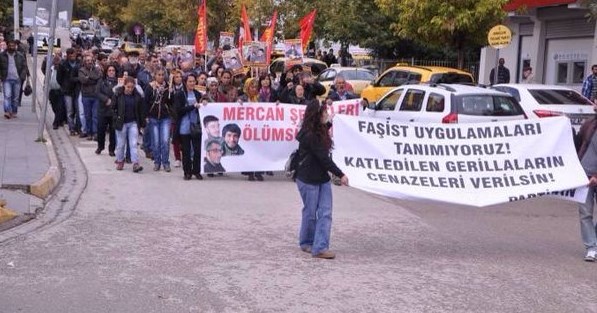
(44, 187)
(6, 214)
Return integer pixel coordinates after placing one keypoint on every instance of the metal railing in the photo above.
(383, 64)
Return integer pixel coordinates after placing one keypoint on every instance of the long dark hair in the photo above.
(312, 123)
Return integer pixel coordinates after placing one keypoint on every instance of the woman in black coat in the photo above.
(188, 131)
(106, 111)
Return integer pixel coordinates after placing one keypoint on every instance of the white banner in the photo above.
(255, 136)
(470, 164)
(249, 137)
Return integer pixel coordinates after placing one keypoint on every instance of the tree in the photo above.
(6, 13)
(457, 23)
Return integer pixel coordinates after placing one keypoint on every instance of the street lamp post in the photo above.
(16, 19)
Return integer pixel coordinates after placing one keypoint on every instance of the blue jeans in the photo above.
(131, 131)
(588, 229)
(90, 105)
(12, 89)
(160, 135)
(147, 139)
(70, 113)
(81, 113)
(316, 223)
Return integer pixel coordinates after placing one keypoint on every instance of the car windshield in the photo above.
(560, 97)
(451, 78)
(357, 75)
(487, 105)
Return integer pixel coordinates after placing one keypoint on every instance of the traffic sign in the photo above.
(499, 36)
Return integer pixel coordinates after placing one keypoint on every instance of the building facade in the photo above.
(553, 37)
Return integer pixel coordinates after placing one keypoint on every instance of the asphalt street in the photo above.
(152, 242)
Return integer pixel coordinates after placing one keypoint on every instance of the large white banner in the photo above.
(248, 137)
(254, 136)
(471, 164)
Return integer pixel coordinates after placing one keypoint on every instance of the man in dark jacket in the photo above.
(67, 77)
(588, 159)
(503, 74)
(89, 76)
(338, 91)
(13, 71)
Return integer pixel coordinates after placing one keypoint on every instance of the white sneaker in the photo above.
(591, 255)
(177, 163)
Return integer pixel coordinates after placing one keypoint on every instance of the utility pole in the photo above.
(16, 19)
(50, 56)
(34, 71)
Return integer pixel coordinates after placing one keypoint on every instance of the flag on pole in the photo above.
(201, 33)
(268, 35)
(245, 31)
(306, 24)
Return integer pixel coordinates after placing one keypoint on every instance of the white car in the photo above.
(109, 43)
(445, 103)
(550, 100)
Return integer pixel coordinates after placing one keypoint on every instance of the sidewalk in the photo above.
(27, 175)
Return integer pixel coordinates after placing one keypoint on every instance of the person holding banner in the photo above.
(313, 181)
(175, 86)
(587, 154)
(251, 94)
(187, 103)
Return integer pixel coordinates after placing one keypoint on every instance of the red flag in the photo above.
(268, 35)
(245, 35)
(201, 33)
(306, 24)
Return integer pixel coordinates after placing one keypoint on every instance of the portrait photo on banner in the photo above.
(254, 53)
(232, 60)
(245, 138)
(226, 40)
(293, 50)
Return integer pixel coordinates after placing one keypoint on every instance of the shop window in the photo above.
(578, 72)
(562, 73)
(571, 72)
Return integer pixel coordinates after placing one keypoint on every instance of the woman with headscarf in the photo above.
(251, 94)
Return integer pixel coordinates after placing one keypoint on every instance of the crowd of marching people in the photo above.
(117, 98)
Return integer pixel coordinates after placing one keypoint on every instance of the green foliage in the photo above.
(6, 13)
(455, 23)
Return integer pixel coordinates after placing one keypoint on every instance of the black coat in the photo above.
(181, 108)
(314, 160)
(158, 104)
(20, 62)
(105, 91)
(68, 78)
(119, 107)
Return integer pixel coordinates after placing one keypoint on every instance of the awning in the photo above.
(517, 4)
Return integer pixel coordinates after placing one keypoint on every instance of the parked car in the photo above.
(109, 43)
(540, 101)
(404, 74)
(42, 45)
(445, 103)
(358, 78)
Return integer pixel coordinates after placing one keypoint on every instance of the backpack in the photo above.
(292, 164)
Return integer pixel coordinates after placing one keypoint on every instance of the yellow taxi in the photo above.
(358, 78)
(405, 74)
(128, 47)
